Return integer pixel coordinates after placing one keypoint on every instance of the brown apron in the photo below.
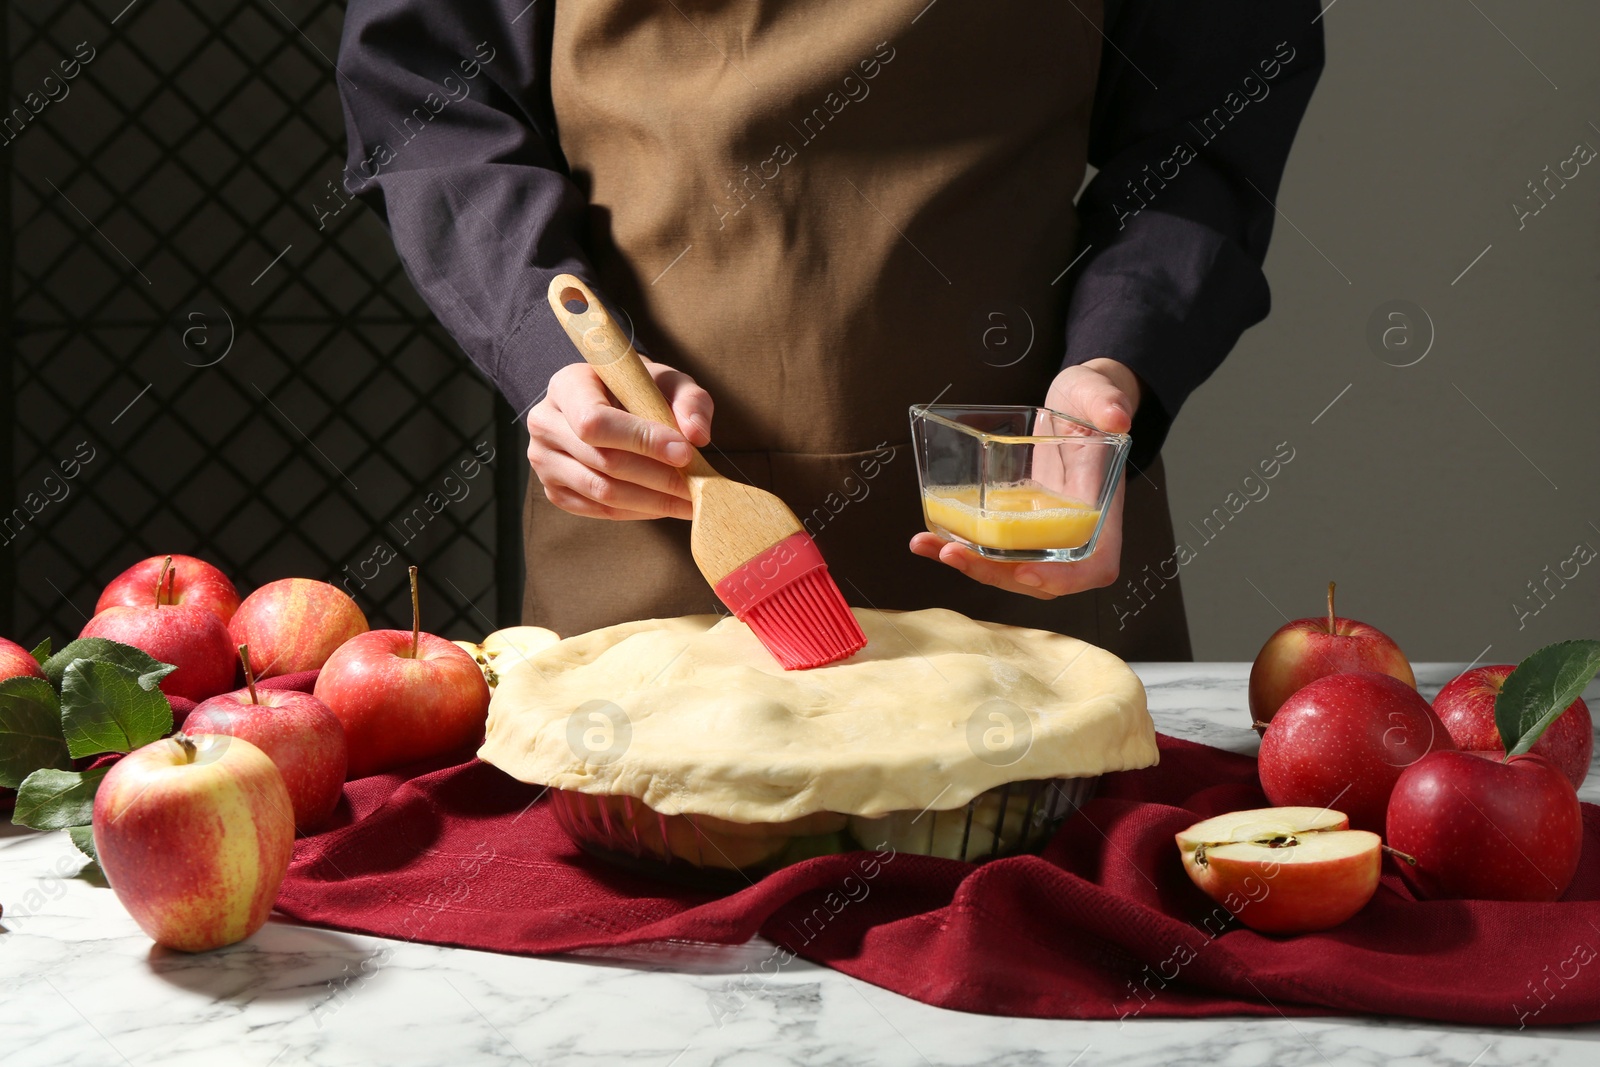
(826, 211)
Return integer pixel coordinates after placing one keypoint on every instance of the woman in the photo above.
(817, 213)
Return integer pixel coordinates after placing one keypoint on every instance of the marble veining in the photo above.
(80, 984)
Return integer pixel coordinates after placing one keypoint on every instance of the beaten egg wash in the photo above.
(1021, 516)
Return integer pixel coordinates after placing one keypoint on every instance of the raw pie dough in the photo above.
(704, 721)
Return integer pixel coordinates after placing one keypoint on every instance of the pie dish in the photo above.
(681, 740)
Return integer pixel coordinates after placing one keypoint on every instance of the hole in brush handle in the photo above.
(574, 300)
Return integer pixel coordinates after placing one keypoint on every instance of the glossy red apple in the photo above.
(17, 662)
(1304, 650)
(189, 581)
(302, 737)
(294, 624)
(403, 696)
(190, 638)
(194, 836)
(1466, 707)
(1483, 828)
(1342, 741)
(1283, 870)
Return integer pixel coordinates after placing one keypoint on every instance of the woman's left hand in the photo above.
(1101, 391)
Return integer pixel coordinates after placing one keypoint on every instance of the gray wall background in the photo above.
(1433, 493)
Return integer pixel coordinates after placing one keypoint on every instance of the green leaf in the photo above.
(104, 708)
(30, 730)
(57, 800)
(83, 837)
(1540, 689)
(41, 651)
(145, 667)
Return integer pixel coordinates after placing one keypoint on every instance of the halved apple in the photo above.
(1283, 870)
(516, 642)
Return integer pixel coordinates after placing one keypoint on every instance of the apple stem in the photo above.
(1259, 725)
(249, 676)
(187, 742)
(1400, 855)
(416, 613)
(161, 579)
(1332, 625)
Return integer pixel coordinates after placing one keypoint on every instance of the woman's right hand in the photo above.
(595, 459)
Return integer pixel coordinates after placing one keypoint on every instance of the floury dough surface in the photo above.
(692, 715)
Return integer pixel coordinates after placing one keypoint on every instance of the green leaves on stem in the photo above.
(146, 668)
(1542, 687)
(30, 730)
(83, 838)
(57, 800)
(97, 696)
(105, 708)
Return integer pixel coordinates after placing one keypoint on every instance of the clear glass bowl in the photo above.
(1019, 484)
(703, 850)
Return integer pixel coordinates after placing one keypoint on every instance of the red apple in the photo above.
(1481, 827)
(190, 638)
(194, 835)
(17, 662)
(1283, 870)
(304, 740)
(294, 624)
(1466, 707)
(189, 581)
(403, 696)
(1342, 741)
(1302, 651)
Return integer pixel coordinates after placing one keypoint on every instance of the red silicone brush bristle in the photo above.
(787, 598)
(807, 624)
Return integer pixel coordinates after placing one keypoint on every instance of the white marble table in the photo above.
(80, 984)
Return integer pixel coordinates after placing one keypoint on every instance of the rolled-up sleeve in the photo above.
(1197, 106)
(452, 142)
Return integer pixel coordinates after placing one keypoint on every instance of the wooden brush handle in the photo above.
(597, 338)
(734, 523)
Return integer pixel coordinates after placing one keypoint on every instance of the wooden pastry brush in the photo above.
(746, 541)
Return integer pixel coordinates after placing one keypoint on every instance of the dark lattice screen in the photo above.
(163, 207)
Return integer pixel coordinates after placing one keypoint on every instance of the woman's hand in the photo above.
(595, 459)
(1107, 394)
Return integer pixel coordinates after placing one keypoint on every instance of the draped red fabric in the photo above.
(1103, 925)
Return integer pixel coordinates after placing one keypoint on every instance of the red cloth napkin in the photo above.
(1103, 925)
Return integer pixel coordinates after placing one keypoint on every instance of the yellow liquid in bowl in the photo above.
(1025, 516)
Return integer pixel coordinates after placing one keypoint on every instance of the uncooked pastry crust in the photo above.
(715, 727)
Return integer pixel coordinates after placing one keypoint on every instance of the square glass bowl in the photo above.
(1016, 484)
